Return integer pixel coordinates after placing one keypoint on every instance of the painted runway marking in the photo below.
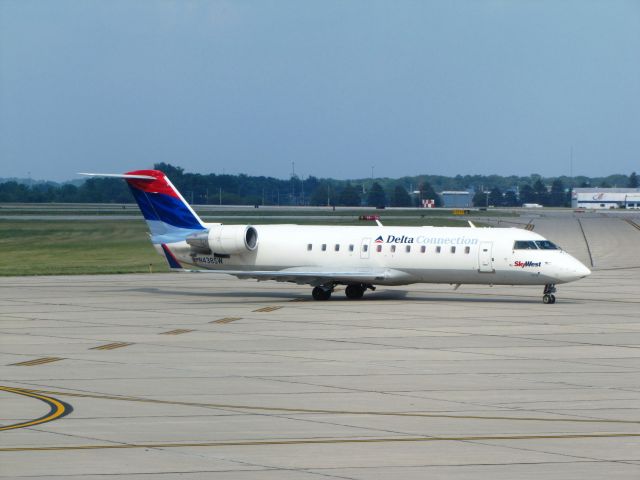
(268, 309)
(335, 412)
(112, 346)
(226, 320)
(58, 409)
(316, 441)
(177, 331)
(36, 361)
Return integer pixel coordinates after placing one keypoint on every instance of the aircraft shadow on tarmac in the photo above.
(338, 296)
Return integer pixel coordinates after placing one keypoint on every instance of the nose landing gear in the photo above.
(548, 296)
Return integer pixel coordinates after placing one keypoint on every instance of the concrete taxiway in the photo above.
(188, 377)
(193, 376)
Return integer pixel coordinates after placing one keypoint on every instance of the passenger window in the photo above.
(423, 249)
(467, 249)
(524, 245)
(408, 248)
(337, 247)
(393, 248)
(309, 247)
(453, 249)
(351, 248)
(438, 249)
(378, 248)
(324, 247)
(365, 248)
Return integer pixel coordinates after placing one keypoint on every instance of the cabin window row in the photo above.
(392, 248)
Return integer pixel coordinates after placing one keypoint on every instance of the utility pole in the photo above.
(220, 195)
(293, 182)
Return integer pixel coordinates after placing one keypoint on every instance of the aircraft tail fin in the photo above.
(169, 217)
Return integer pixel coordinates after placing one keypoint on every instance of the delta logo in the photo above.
(379, 239)
(528, 263)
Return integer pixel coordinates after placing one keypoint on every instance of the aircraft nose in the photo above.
(575, 270)
(582, 271)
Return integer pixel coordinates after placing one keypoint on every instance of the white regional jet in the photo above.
(358, 257)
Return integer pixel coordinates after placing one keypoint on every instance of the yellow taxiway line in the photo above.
(334, 412)
(58, 409)
(316, 441)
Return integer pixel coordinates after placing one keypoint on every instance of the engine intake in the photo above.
(225, 240)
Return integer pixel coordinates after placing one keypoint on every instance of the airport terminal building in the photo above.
(606, 198)
(456, 199)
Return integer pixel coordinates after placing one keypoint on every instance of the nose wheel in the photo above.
(548, 296)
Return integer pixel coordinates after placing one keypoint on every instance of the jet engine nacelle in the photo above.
(225, 239)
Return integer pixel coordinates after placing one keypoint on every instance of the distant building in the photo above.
(456, 199)
(605, 198)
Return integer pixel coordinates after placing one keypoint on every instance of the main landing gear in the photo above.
(353, 291)
(322, 292)
(548, 296)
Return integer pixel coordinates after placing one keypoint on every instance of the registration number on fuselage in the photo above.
(208, 260)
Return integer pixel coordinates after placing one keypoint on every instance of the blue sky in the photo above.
(410, 87)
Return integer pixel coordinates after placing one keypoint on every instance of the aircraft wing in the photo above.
(315, 275)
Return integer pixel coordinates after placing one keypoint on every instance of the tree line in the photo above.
(259, 190)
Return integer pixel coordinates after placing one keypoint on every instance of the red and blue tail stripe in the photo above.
(169, 216)
(171, 258)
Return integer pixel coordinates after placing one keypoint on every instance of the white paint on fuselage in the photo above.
(287, 246)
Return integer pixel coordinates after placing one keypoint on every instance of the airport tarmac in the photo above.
(193, 376)
(187, 376)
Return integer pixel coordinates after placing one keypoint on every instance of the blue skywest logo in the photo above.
(379, 239)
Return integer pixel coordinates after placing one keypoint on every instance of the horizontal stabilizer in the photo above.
(119, 175)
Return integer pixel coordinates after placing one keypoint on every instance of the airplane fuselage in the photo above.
(410, 254)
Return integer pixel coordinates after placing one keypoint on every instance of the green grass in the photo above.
(65, 247)
(34, 247)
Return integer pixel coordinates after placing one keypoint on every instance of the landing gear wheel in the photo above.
(549, 297)
(319, 293)
(354, 292)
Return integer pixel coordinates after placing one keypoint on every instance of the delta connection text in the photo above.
(421, 239)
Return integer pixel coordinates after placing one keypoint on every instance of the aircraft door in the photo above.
(365, 247)
(485, 259)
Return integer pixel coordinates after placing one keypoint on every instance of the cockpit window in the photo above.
(546, 245)
(524, 245)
